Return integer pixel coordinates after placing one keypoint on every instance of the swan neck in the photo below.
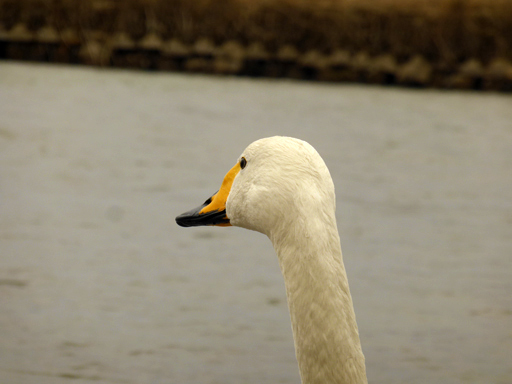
(324, 327)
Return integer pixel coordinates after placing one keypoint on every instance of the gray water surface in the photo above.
(99, 285)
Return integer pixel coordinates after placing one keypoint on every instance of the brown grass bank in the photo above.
(446, 43)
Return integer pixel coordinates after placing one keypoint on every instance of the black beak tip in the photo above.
(190, 218)
(182, 221)
(193, 218)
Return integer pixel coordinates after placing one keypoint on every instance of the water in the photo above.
(99, 285)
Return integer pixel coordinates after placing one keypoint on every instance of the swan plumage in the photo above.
(281, 187)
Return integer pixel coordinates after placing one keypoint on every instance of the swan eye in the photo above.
(243, 162)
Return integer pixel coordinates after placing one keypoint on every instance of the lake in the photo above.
(99, 285)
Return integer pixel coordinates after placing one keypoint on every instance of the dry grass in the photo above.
(453, 43)
(443, 31)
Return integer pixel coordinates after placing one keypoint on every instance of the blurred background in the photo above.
(442, 43)
(99, 285)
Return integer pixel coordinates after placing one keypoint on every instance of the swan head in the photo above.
(277, 181)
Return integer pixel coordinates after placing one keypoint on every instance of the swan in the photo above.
(281, 187)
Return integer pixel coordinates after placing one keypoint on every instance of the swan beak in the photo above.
(213, 210)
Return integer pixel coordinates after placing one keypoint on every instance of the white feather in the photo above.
(286, 192)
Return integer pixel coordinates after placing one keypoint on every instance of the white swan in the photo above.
(282, 188)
